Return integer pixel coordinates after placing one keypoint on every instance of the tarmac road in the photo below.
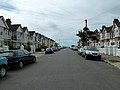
(63, 70)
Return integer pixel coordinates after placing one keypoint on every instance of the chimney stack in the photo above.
(85, 22)
(8, 21)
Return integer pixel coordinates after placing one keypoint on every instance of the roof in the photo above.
(37, 33)
(4, 22)
(24, 29)
(116, 21)
(14, 27)
(31, 32)
(101, 30)
(108, 29)
(1, 16)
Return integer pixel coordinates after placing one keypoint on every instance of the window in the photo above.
(26, 52)
(117, 43)
(1, 33)
(119, 31)
(8, 33)
(20, 53)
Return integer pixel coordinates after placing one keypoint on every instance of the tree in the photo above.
(87, 35)
(56, 44)
(83, 37)
(28, 48)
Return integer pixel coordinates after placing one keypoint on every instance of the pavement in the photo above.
(113, 60)
(39, 54)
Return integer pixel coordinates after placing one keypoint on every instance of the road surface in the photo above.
(63, 70)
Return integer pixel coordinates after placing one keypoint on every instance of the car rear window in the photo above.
(26, 52)
(7, 53)
(48, 49)
(19, 53)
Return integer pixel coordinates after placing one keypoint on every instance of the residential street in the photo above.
(63, 70)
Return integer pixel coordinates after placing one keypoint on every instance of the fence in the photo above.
(110, 50)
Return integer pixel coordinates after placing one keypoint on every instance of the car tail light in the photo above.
(12, 59)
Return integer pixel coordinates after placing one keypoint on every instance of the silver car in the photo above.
(91, 52)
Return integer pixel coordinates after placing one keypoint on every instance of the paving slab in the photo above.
(39, 54)
(113, 60)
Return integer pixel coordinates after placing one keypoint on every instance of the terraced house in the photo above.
(15, 35)
(5, 34)
(110, 35)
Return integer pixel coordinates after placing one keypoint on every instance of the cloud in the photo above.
(61, 19)
(115, 10)
(7, 6)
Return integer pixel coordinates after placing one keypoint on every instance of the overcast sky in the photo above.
(60, 19)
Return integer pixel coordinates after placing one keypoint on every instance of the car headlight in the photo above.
(99, 53)
(88, 52)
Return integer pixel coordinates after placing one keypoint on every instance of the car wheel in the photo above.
(3, 72)
(99, 58)
(34, 60)
(86, 57)
(80, 54)
(20, 64)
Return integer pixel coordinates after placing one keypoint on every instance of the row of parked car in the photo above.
(14, 58)
(89, 52)
(53, 49)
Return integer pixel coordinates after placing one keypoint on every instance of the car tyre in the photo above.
(80, 54)
(20, 64)
(34, 60)
(86, 57)
(99, 58)
(3, 71)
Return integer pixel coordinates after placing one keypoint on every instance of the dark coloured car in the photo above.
(18, 57)
(49, 51)
(3, 66)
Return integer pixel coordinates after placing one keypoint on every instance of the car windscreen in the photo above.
(92, 48)
(7, 53)
(48, 49)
